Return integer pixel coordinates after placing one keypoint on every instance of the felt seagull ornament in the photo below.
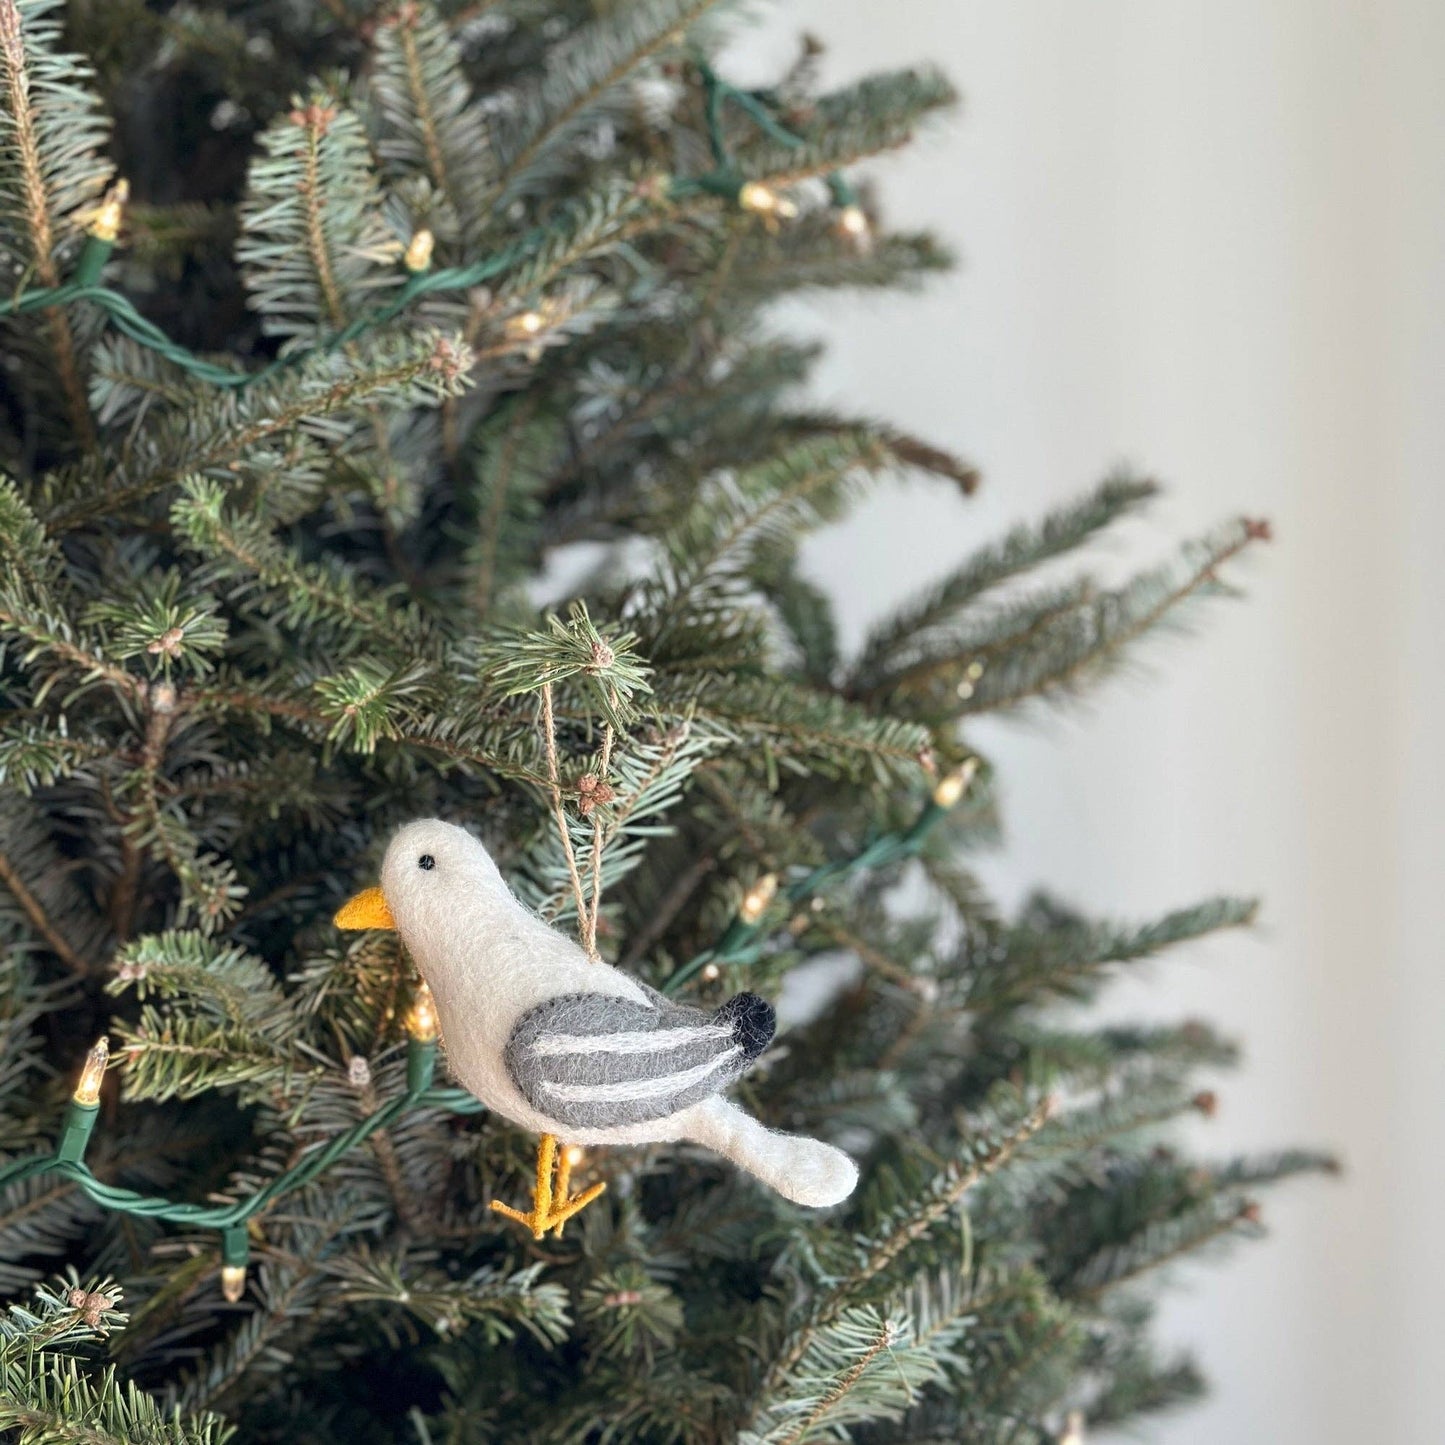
(568, 1047)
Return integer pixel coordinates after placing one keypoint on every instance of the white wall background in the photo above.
(1208, 238)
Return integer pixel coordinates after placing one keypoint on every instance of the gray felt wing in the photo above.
(594, 1061)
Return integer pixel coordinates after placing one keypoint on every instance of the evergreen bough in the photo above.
(279, 490)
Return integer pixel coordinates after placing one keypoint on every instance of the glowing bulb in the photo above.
(1073, 1429)
(421, 1018)
(953, 787)
(757, 898)
(419, 250)
(711, 973)
(529, 323)
(853, 223)
(574, 1155)
(87, 1091)
(754, 196)
(233, 1282)
(105, 222)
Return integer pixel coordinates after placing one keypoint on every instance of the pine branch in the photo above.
(39, 920)
(987, 1155)
(47, 1394)
(879, 113)
(580, 81)
(314, 244)
(883, 1339)
(356, 710)
(1161, 1244)
(225, 982)
(50, 168)
(370, 700)
(1086, 641)
(811, 254)
(430, 125)
(1052, 951)
(245, 554)
(877, 1255)
(42, 1217)
(770, 506)
(38, 755)
(883, 664)
(33, 562)
(500, 1305)
(50, 635)
(173, 1056)
(216, 434)
(209, 887)
(796, 727)
(513, 456)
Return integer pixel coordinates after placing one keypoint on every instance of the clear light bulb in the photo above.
(853, 223)
(233, 1282)
(105, 221)
(421, 1018)
(87, 1091)
(953, 787)
(754, 196)
(419, 251)
(756, 899)
(574, 1154)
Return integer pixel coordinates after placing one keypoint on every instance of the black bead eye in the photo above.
(426, 862)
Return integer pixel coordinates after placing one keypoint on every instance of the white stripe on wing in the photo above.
(642, 1041)
(638, 1088)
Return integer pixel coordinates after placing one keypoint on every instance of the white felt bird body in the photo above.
(568, 1047)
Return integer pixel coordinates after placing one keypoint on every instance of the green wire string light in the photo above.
(724, 181)
(68, 1160)
(84, 285)
(743, 939)
(740, 942)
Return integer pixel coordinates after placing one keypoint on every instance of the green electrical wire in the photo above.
(127, 320)
(743, 939)
(741, 942)
(127, 1201)
(724, 181)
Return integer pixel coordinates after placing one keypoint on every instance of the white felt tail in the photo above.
(806, 1171)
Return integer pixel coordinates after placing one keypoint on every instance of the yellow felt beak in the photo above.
(367, 910)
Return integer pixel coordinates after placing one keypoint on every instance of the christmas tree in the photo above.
(334, 330)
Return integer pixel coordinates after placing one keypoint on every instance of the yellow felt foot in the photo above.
(575, 1204)
(552, 1202)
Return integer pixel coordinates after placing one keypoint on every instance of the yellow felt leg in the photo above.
(575, 1205)
(542, 1196)
(552, 1202)
(512, 1213)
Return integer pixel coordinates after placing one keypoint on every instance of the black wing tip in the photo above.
(753, 1022)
